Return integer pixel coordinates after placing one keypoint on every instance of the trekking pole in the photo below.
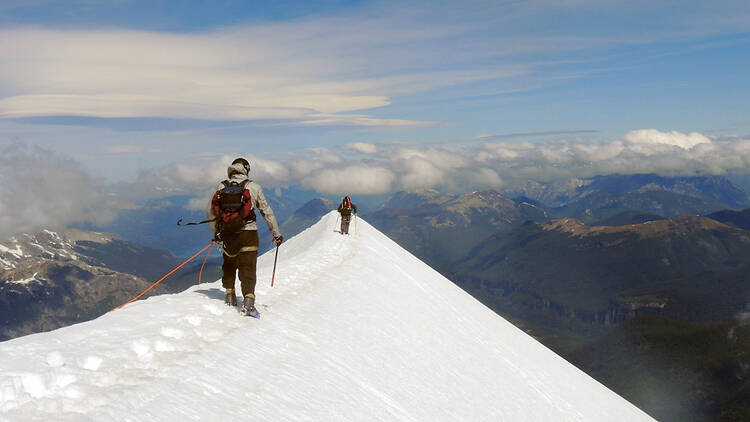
(356, 226)
(337, 222)
(273, 276)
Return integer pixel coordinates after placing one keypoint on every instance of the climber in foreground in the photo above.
(233, 206)
(346, 209)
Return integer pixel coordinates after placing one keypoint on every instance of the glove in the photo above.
(278, 240)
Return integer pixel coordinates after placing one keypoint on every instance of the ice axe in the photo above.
(194, 223)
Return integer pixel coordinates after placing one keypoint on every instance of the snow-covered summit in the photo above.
(356, 328)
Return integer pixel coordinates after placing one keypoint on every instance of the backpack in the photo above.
(346, 206)
(232, 206)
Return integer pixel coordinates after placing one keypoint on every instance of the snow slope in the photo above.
(356, 329)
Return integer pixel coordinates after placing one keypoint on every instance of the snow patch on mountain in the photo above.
(16, 251)
(25, 280)
(44, 245)
(356, 328)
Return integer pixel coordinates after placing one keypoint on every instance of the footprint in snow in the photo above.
(172, 333)
(164, 346)
(213, 309)
(92, 363)
(193, 320)
(33, 385)
(141, 349)
(55, 360)
(64, 380)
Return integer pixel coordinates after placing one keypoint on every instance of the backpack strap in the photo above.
(248, 211)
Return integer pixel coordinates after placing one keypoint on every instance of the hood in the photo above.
(237, 172)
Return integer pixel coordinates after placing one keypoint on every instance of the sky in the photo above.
(369, 97)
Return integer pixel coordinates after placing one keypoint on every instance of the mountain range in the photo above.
(689, 268)
(439, 228)
(739, 219)
(600, 205)
(713, 189)
(653, 307)
(307, 215)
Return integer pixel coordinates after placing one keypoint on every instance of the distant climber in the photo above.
(346, 209)
(233, 206)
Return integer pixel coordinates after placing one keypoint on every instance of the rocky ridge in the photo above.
(51, 279)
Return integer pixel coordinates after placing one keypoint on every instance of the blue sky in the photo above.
(129, 88)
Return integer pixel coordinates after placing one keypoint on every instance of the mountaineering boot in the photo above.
(231, 298)
(248, 306)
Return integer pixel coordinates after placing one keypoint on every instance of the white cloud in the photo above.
(443, 158)
(63, 193)
(311, 72)
(353, 179)
(468, 166)
(314, 70)
(486, 178)
(418, 173)
(358, 120)
(198, 204)
(42, 189)
(501, 152)
(180, 178)
(238, 74)
(362, 147)
(263, 169)
(673, 138)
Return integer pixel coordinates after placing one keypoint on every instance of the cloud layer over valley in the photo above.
(364, 168)
(43, 189)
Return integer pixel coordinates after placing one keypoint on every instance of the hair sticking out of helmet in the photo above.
(244, 163)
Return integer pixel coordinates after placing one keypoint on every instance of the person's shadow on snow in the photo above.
(213, 293)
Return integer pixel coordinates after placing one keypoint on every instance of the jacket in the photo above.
(237, 172)
(344, 211)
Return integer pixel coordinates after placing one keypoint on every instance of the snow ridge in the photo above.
(356, 328)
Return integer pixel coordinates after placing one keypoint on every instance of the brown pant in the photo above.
(235, 259)
(345, 219)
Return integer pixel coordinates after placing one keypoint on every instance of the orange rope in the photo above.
(200, 274)
(162, 279)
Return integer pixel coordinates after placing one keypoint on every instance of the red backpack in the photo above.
(232, 206)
